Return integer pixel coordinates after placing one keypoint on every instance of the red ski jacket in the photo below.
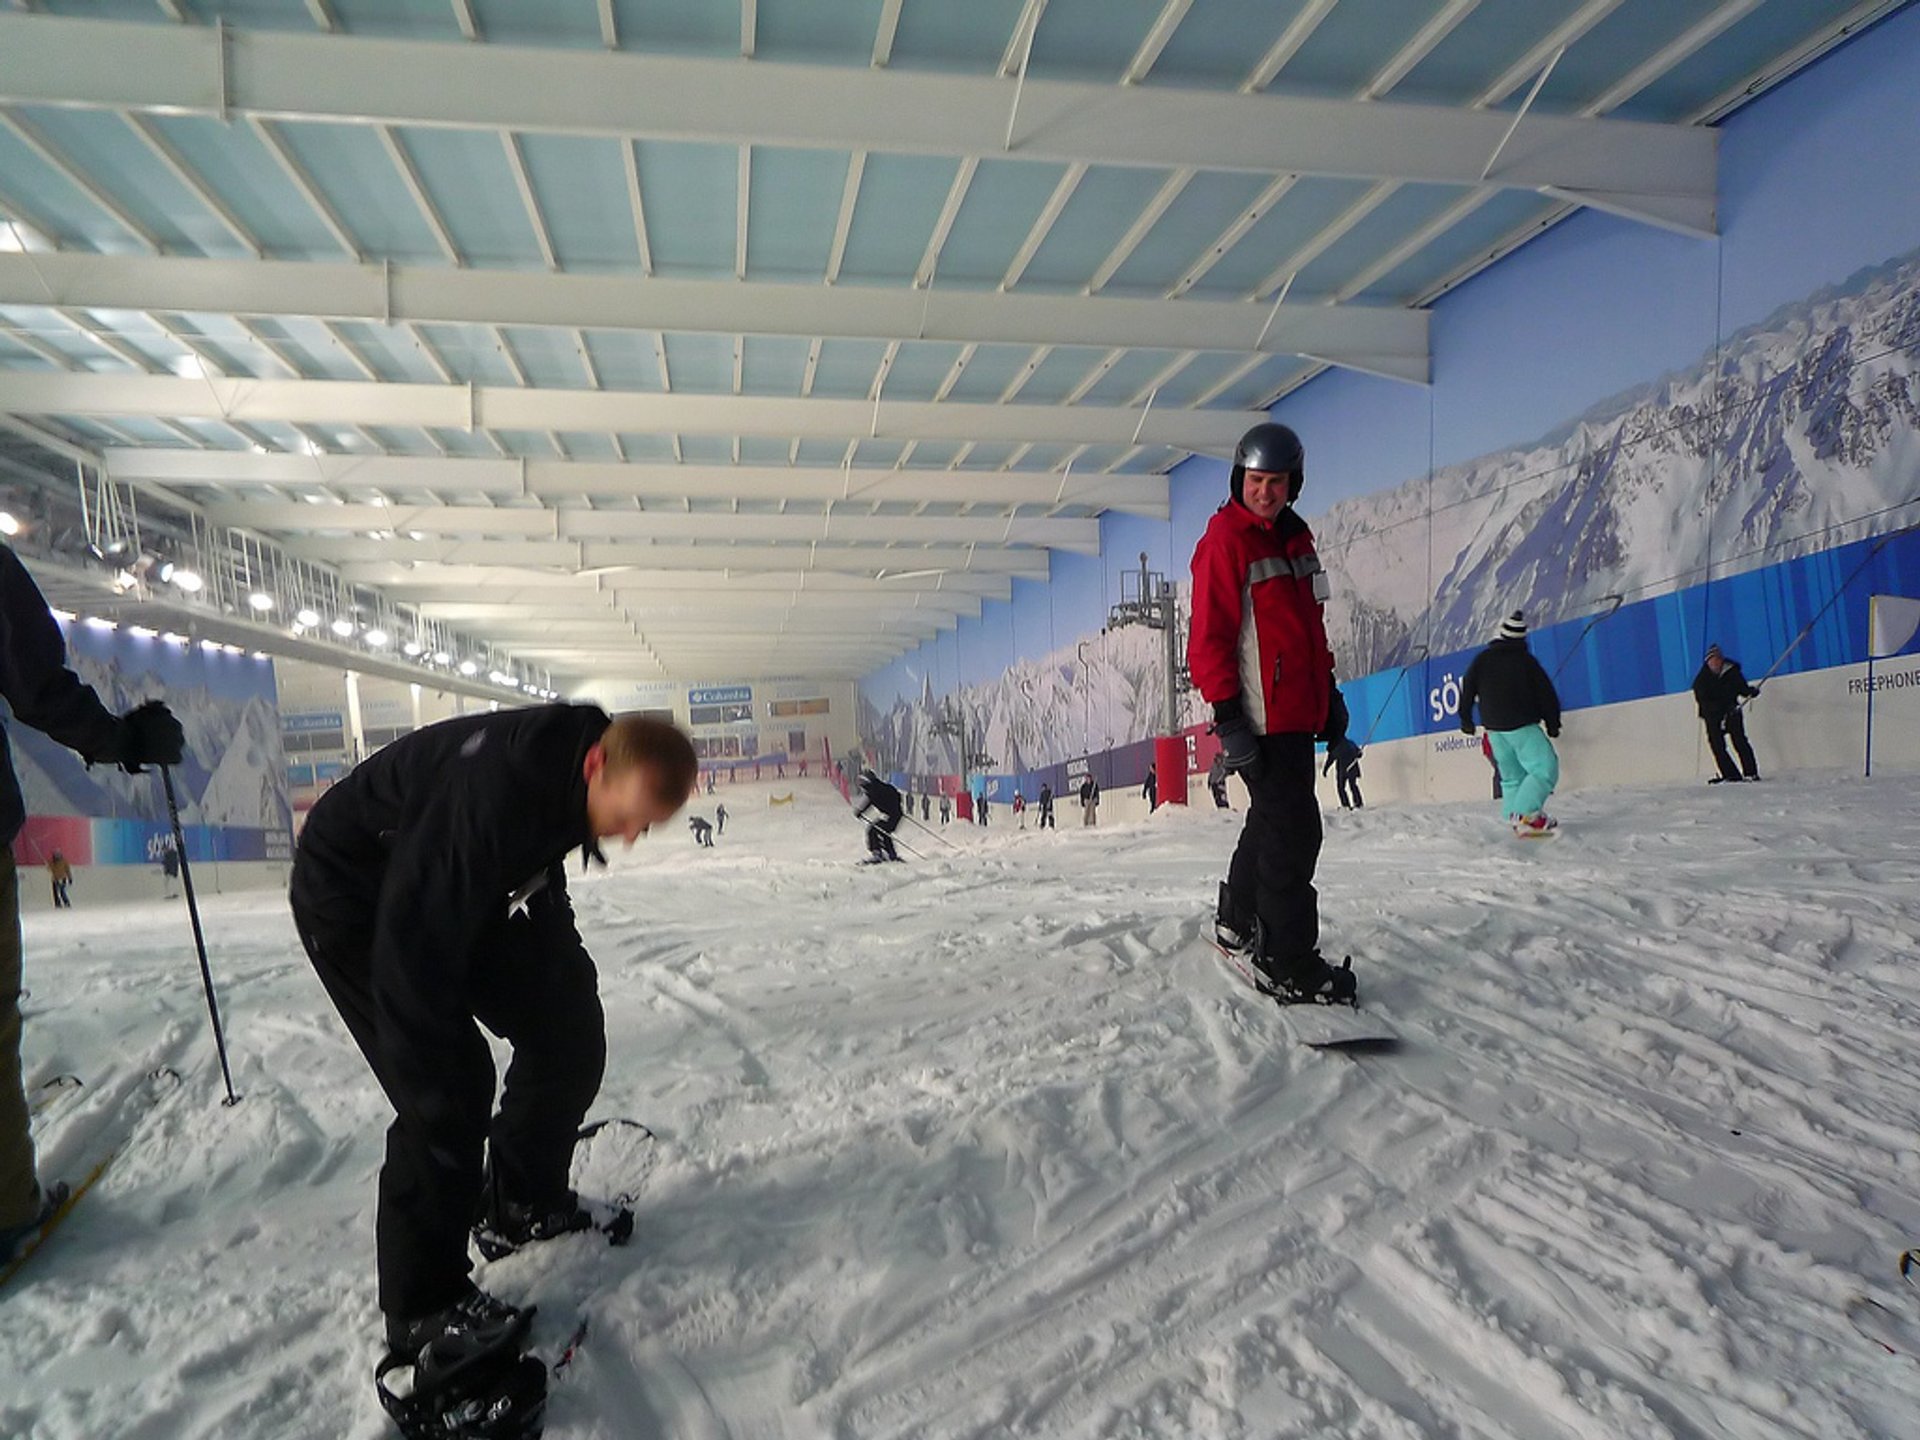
(1257, 629)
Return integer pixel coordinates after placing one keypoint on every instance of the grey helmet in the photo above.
(1274, 449)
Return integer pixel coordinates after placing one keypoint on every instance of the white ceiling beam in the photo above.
(943, 225)
(749, 28)
(1148, 217)
(420, 582)
(431, 294)
(1020, 43)
(1423, 43)
(1286, 45)
(29, 136)
(321, 12)
(410, 177)
(843, 222)
(743, 195)
(1369, 201)
(524, 184)
(1557, 39)
(1043, 224)
(1158, 34)
(1233, 234)
(305, 184)
(630, 156)
(825, 608)
(280, 517)
(196, 185)
(48, 59)
(1669, 55)
(884, 33)
(463, 17)
(914, 561)
(490, 407)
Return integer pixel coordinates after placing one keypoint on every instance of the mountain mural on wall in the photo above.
(1798, 433)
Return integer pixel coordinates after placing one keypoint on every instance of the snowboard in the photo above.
(1320, 1027)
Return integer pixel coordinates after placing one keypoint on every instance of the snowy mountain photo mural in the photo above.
(1761, 452)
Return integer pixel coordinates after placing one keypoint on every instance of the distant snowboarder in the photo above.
(1046, 809)
(720, 817)
(877, 794)
(702, 831)
(1718, 689)
(1521, 711)
(1150, 791)
(1089, 801)
(1344, 760)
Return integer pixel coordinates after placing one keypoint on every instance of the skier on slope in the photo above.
(1258, 653)
(877, 794)
(44, 693)
(1521, 711)
(1718, 689)
(429, 889)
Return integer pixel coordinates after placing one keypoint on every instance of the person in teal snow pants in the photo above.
(1521, 711)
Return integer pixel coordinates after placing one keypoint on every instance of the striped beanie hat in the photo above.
(1514, 627)
(1713, 652)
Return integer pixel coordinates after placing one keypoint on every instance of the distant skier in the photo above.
(1020, 809)
(1344, 760)
(1089, 801)
(1217, 780)
(1150, 791)
(1258, 653)
(946, 808)
(1717, 692)
(702, 831)
(926, 806)
(1521, 711)
(429, 889)
(169, 866)
(1046, 809)
(877, 794)
(720, 817)
(60, 872)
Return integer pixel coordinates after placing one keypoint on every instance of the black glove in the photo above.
(1237, 741)
(1466, 726)
(1337, 719)
(147, 735)
(1553, 732)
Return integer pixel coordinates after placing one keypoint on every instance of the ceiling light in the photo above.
(187, 580)
(307, 618)
(63, 616)
(142, 631)
(174, 638)
(467, 667)
(212, 647)
(376, 637)
(188, 367)
(413, 649)
(260, 601)
(441, 657)
(99, 622)
(8, 524)
(343, 627)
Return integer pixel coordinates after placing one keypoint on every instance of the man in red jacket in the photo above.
(1258, 653)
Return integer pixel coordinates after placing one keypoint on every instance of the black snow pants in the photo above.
(1731, 725)
(533, 985)
(1271, 875)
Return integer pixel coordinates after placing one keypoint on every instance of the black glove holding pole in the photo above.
(146, 735)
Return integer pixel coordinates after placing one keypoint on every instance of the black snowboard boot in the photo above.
(1231, 932)
(477, 1321)
(506, 1227)
(1304, 978)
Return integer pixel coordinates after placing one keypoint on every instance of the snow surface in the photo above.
(990, 1144)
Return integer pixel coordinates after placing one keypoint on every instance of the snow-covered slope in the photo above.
(987, 1145)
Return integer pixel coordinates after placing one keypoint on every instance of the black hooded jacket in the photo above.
(42, 691)
(428, 847)
(1716, 695)
(1511, 688)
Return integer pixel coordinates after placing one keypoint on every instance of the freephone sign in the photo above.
(722, 695)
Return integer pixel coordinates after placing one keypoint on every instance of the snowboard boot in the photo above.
(1305, 978)
(463, 1372)
(506, 1227)
(14, 1238)
(1534, 826)
(1230, 932)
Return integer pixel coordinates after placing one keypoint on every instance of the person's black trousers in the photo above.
(1731, 726)
(543, 999)
(1271, 875)
(1349, 789)
(880, 837)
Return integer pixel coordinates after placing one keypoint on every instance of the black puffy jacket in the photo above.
(1511, 689)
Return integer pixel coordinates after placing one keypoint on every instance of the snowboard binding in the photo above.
(461, 1391)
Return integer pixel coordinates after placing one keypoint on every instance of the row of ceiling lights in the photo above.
(345, 627)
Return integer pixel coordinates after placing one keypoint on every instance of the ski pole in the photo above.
(199, 937)
(933, 832)
(1574, 648)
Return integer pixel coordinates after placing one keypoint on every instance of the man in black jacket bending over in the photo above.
(430, 891)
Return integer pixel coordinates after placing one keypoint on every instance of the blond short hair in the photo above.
(640, 740)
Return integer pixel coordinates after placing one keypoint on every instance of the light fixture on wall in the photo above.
(306, 618)
(467, 667)
(260, 601)
(376, 637)
(343, 627)
(413, 649)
